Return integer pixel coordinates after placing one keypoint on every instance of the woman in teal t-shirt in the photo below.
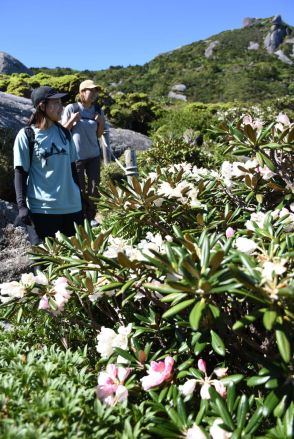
(46, 183)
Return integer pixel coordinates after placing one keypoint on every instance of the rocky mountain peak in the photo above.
(9, 65)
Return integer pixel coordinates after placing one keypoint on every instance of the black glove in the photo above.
(23, 217)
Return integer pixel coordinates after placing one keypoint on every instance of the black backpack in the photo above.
(76, 108)
(31, 137)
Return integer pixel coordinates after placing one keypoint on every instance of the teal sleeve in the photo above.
(21, 152)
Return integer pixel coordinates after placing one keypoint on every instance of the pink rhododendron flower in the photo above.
(62, 295)
(230, 232)
(220, 388)
(110, 387)
(44, 303)
(202, 365)
(158, 373)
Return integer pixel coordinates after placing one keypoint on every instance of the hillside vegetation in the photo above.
(233, 72)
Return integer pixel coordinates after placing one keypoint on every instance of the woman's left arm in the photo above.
(100, 124)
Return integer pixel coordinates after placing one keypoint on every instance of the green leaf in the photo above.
(283, 345)
(19, 314)
(177, 308)
(243, 408)
(271, 401)
(269, 318)
(257, 380)
(217, 343)
(222, 408)
(126, 355)
(289, 421)
(236, 378)
(196, 314)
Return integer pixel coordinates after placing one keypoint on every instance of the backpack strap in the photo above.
(76, 107)
(31, 140)
(97, 108)
(65, 131)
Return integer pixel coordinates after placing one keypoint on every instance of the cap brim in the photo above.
(57, 96)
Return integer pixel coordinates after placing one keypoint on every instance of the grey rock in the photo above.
(247, 21)
(282, 57)
(179, 88)
(276, 35)
(277, 20)
(253, 46)
(14, 248)
(121, 139)
(16, 111)
(8, 213)
(173, 95)
(209, 50)
(14, 245)
(9, 65)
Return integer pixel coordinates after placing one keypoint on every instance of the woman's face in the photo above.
(54, 109)
(89, 95)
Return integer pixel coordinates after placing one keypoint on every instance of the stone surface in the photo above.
(16, 111)
(179, 88)
(209, 50)
(14, 245)
(9, 65)
(253, 46)
(276, 35)
(121, 138)
(179, 96)
(282, 57)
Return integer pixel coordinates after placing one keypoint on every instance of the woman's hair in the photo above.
(81, 97)
(38, 118)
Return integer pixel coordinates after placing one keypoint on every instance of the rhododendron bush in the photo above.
(186, 290)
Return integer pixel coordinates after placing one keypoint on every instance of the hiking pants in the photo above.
(48, 224)
(89, 177)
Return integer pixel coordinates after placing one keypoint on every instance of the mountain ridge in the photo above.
(251, 63)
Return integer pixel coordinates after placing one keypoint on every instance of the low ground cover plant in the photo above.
(184, 295)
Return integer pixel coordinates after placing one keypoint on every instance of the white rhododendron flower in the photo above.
(217, 432)
(186, 167)
(108, 340)
(115, 246)
(266, 173)
(188, 388)
(283, 118)
(27, 280)
(195, 432)
(41, 279)
(258, 218)
(221, 372)
(255, 123)
(270, 269)
(246, 245)
(11, 290)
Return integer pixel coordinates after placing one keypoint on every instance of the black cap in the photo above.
(44, 93)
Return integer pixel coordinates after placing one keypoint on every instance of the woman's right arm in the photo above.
(22, 165)
(69, 119)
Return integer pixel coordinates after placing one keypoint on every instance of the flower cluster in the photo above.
(108, 340)
(17, 290)
(188, 388)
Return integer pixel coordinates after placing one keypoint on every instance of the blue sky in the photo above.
(92, 34)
